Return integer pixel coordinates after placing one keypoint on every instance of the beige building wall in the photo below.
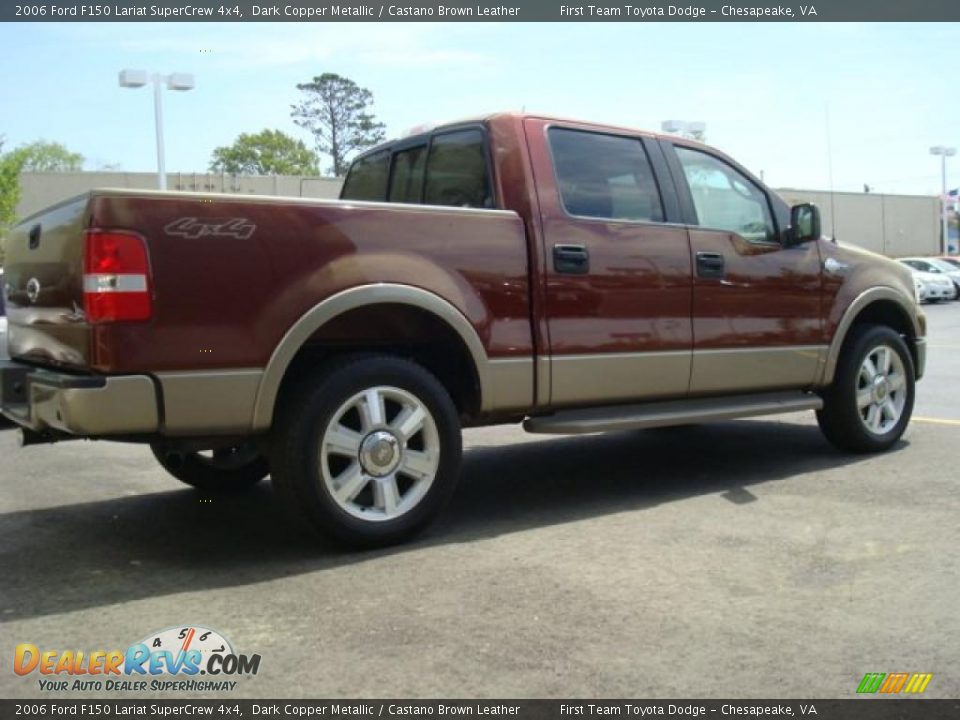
(894, 225)
(40, 190)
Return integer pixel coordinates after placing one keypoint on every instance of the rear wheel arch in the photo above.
(463, 370)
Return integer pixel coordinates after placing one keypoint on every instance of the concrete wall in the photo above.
(894, 225)
(43, 189)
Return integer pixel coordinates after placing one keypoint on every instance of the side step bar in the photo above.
(672, 412)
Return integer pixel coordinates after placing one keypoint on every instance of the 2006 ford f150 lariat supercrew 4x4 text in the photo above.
(577, 277)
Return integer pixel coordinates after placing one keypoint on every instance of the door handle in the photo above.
(710, 265)
(571, 259)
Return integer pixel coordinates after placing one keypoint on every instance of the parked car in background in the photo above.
(934, 286)
(936, 266)
(951, 260)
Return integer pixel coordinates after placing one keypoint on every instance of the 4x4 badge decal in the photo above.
(191, 227)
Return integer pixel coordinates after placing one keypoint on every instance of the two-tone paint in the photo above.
(242, 286)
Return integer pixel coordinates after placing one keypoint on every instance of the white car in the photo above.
(932, 287)
(935, 266)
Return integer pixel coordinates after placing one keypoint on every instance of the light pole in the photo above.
(695, 130)
(175, 81)
(944, 153)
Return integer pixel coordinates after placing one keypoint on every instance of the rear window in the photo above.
(406, 180)
(449, 168)
(457, 171)
(367, 179)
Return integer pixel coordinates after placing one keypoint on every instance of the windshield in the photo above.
(942, 265)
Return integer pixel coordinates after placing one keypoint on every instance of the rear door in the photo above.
(756, 302)
(617, 297)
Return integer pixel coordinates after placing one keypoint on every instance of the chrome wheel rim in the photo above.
(379, 453)
(881, 390)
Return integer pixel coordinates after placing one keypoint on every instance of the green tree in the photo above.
(43, 156)
(269, 152)
(10, 164)
(39, 156)
(337, 111)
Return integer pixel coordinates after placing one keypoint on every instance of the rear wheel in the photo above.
(869, 404)
(229, 469)
(368, 450)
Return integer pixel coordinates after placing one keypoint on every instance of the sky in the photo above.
(790, 101)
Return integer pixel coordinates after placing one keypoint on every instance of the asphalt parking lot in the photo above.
(739, 559)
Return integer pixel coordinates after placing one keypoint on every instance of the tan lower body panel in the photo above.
(510, 383)
(582, 379)
(215, 402)
(748, 369)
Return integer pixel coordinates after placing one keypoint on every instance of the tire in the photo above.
(367, 450)
(227, 470)
(868, 406)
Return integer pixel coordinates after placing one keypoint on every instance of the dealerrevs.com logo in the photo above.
(181, 659)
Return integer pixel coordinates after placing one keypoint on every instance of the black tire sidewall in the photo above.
(307, 417)
(196, 473)
(840, 416)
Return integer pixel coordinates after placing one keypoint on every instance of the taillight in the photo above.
(116, 277)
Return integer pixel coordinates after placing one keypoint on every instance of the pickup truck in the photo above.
(575, 277)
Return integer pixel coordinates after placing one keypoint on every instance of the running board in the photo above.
(672, 412)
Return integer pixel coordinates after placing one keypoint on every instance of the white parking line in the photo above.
(936, 421)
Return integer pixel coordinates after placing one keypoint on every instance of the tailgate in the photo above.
(43, 285)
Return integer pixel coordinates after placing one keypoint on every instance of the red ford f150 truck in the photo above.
(577, 277)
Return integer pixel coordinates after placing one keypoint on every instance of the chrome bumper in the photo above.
(82, 405)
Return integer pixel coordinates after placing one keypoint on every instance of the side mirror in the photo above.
(804, 224)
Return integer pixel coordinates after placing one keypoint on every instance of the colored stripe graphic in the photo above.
(914, 683)
(918, 683)
(894, 683)
(871, 682)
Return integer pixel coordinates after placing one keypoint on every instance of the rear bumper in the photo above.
(83, 405)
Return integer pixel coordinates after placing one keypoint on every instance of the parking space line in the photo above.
(936, 421)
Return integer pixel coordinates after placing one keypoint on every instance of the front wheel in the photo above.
(367, 450)
(227, 469)
(868, 406)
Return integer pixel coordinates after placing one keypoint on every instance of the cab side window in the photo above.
(367, 179)
(604, 176)
(457, 171)
(407, 177)
(725, 199)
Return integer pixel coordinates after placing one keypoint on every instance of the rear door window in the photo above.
(605, 176)
(457, 171)
(367, 179)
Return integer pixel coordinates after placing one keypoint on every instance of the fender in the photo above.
(862, 301)
(351, 299)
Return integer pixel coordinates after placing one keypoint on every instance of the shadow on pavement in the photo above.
(128, 548)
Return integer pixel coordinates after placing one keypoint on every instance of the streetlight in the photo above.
(175, 81)
(944, 153)
(696, 129)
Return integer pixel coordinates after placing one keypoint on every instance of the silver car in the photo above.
(935, 266)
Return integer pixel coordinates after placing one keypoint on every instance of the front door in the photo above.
(756, 300)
